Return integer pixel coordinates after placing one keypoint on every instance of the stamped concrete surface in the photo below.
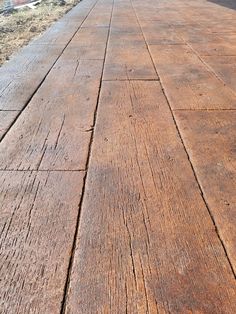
(117, 162)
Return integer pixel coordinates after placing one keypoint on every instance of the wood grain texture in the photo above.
(54, 130)
(129, 61)
(88, 43)
(62, 31)
(210, 141)
(215, 49)
(160, 33)
(100, 15)
(146, 242)
(187, 81)
(6, 119)
(224, 67)
(38, 220)
(22, 75)
(127, 56)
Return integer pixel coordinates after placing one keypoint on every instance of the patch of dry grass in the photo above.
(18, 28)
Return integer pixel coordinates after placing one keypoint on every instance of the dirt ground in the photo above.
(18, 28)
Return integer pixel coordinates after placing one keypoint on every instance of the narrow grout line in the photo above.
(71, 261)
(153, 64)
(209, 68)
(127, 79)
(203, 196)
(44, 78)
(189, 159)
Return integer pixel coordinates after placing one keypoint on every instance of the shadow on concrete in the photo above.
(231, 4)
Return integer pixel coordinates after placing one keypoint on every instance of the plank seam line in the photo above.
(145, 42)
(44, 78)
(202, 193)
(169, 44)
(71, 261)
(209, 68)
(190, 162)
(141, 80)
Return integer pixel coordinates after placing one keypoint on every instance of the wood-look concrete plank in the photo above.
(154, 36)
(210, 140)
(188, 82)
(63, 30)
(23, 74)
(127, 57)
(6, 119)
(59, 33)
(132, 62)
(38, 220)
(146, 242)
(81, 10)
(90, 35)
(100, 15)
(216, 49)
(224, 67)
(54, 130)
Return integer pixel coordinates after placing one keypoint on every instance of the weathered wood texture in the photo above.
(6, 118)
(38, 220)
(88, 43)
(225, 68)
(210, 141)
(146, 242)
(187, 81)
(54, 130)
(20, 78)
(127, 56)
(23, 74)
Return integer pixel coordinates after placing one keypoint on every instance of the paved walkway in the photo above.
(117, 162)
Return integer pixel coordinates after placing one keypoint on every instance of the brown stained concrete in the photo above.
(117, 162)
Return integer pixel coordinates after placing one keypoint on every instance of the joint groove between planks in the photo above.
(44, 78)
(67, 284)
(191, 164)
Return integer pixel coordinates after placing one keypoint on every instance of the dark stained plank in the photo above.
(6, 119)
(188, 82)
(210, 141)
(38, 220)
(54, 130)
(146, 242)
